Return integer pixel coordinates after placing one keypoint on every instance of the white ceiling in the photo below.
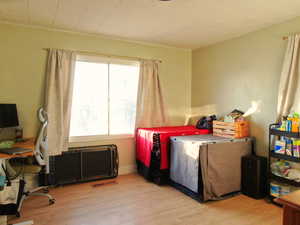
(180, 23)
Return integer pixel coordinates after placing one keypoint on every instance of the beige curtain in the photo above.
(289, 94)
(58, 98)
(151, 109)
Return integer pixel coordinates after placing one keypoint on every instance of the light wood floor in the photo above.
(133, 201)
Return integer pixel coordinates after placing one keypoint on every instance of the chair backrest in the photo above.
(41, 146)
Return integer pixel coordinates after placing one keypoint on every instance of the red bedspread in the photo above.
(144, 142)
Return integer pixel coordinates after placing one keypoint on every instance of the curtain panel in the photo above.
(151, 109)
(289, 80)
(58, 98)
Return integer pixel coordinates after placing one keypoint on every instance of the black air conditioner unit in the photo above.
(81, 164)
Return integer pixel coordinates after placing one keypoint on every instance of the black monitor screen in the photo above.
(8, 115)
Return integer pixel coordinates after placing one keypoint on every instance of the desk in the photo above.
(291, 208)
(29, 144)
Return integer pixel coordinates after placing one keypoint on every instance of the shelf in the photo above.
(285, 157)
(284, 180)
(284, 133)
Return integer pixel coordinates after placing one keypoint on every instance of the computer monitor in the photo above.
(8, 115)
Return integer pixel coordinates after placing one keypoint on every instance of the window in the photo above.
(104, 97)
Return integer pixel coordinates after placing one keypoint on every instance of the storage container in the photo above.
(238, 129)
(207, 167)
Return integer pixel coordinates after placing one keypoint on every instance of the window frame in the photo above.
(108, 60)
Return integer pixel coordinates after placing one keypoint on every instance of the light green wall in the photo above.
(233, 73)
(22, 66)
(225, 76)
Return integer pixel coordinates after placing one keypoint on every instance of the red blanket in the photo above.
(144, 142)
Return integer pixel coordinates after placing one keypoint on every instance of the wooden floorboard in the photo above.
(133, 201)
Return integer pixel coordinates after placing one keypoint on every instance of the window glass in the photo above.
(104, 98)
(123, 95)
(89, 114)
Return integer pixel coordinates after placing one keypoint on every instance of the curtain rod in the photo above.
(106, 55)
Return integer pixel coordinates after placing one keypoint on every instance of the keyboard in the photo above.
(14, 151)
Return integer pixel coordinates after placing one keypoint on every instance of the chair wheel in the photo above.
(51, 201)
(18, 214)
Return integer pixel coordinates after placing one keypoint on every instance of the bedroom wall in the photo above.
(22, 66)
(234, 73)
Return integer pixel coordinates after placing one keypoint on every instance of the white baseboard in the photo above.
(127, 169)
